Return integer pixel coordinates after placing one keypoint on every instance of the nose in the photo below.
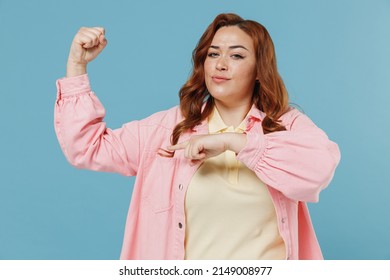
(221, 64)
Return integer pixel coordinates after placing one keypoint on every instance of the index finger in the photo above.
(100, 29)
(178, 146)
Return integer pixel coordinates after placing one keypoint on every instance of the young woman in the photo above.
(225, 175)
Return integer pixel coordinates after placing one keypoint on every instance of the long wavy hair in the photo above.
(269, 94)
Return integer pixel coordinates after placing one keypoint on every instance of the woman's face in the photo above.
(230, 67)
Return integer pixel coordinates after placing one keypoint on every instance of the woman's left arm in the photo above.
(299, 162)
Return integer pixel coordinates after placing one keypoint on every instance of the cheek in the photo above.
(207, 73)
(207, 66)
(247, 74)
(248, 70)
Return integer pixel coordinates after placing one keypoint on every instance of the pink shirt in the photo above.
(295, 165)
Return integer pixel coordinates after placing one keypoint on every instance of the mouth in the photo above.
(219, 79)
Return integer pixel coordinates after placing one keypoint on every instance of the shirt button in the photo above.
(180, 225)
(180, 187)
(283, 220)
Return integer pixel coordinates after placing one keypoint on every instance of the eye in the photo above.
(212, 54)
(237, 56)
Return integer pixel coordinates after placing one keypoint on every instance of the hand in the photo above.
(201, 147)
(86, 46)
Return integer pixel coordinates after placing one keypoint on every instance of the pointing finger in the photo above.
(178, 146)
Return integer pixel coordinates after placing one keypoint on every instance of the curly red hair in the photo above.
(269, 95)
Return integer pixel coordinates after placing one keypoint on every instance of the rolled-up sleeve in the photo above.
(299, 162)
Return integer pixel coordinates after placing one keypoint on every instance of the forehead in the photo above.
(232, 35)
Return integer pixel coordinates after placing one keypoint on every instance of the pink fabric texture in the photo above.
(295, 165)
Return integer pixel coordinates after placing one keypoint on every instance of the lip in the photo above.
(219, 79)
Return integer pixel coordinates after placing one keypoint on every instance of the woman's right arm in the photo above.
(78, 116)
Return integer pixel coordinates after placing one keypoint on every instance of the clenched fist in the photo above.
(86, 46)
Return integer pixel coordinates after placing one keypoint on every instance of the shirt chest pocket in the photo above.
(158, 180)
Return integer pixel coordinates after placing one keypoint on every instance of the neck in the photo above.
(232, 115)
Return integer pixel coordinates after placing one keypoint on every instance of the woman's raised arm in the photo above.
(86, 46)
(78, 115)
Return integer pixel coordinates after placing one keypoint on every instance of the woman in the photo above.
(225, 175)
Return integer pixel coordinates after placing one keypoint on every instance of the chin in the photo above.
(219, 95)
(219, 92)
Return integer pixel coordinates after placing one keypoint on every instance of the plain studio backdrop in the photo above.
(333, 56)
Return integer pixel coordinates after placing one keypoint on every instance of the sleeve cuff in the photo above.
(253, 150)
(73, 85)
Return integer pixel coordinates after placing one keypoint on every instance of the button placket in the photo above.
(180, 187)
(283, 221)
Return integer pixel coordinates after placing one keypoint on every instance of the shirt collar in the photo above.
(253, 116)
(256, 113)
(216, 123)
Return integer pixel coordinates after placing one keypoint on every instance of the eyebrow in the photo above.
(231, 47)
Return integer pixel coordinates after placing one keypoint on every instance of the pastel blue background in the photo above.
(333, 56)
